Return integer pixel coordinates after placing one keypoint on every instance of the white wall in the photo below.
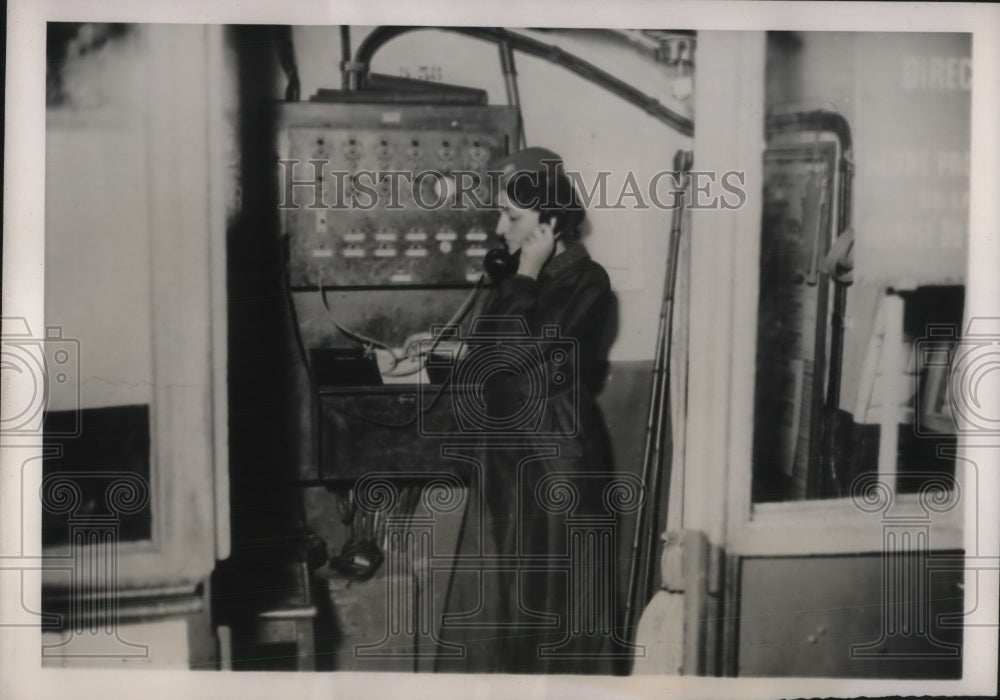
(97, 259)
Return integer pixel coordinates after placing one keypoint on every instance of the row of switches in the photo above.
(384, 250)
(353, 150)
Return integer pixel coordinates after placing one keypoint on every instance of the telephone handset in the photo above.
(500, 263)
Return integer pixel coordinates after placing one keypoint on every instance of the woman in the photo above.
(538, 610)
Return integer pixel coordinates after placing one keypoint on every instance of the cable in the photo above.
(454, 321)
(300, 344)
(364, 340)
(345, 55)
(586, 70)
(369, 343)
(285, 46)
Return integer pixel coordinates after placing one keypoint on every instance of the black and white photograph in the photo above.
(364, 350)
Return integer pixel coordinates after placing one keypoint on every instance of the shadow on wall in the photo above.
(263, 361)
(76, 55)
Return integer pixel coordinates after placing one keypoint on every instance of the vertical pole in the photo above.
(510, 83)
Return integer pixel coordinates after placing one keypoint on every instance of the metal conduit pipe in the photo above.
(586, 70)
(510, 82)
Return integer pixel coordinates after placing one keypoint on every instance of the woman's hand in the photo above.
(536, 249)
(423, 342)
(415, 342)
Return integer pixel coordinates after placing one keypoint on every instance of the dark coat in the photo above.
(545, 468)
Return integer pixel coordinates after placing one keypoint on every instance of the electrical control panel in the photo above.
(384, 195)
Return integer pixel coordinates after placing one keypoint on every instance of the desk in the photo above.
(377, 428)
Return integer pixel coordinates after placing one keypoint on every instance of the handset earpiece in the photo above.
(500, 262)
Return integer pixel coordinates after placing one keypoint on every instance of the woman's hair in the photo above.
(551, 193)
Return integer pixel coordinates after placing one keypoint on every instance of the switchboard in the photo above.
(388, 195)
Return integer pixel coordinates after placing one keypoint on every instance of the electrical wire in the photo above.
(345, 55)
(365, 341)
(286, 58)
(299, 342)
(370, 343)
(549, 52)
(452, 323)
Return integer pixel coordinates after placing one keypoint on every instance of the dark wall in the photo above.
(263, 359)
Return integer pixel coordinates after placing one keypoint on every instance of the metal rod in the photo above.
(640, 569)
(682, 164)
(837, 322)
(635, 565)
(345, 55)
(510, 83)
(286, 57)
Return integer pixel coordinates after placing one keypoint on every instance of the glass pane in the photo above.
(799, 189)
(889, 219)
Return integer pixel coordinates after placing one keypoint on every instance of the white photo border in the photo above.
(23, 262)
